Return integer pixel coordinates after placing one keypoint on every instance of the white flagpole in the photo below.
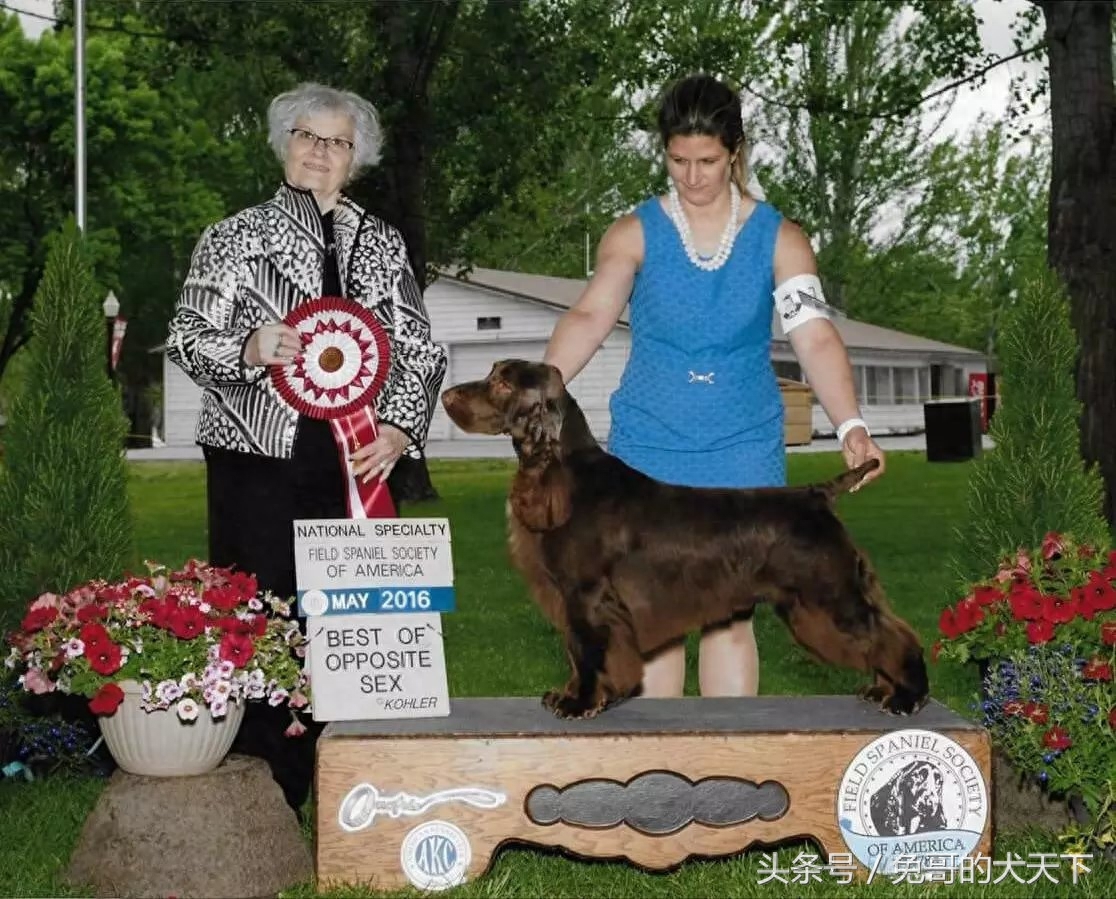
(79, 113)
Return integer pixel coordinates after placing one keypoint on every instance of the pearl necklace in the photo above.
(728, 236)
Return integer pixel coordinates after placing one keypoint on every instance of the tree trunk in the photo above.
(417, 35)
(1082, 218)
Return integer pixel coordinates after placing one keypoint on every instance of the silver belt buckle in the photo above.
(696, 378)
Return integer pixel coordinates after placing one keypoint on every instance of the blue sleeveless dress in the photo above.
(698, 403)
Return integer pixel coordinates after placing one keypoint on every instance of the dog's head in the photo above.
(524, 400)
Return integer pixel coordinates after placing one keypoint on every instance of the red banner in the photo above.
(119, 326)
(978, 387)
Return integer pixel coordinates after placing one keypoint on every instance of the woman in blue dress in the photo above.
(705, 269)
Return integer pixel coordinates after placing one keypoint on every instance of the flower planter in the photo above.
(160, 744)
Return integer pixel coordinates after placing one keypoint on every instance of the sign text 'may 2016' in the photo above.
(373, 590)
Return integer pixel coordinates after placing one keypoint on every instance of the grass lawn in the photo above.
(498, 644)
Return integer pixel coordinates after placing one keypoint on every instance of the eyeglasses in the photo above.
(311, 140)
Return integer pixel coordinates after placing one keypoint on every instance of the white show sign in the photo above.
(372, 590)
(377, 666)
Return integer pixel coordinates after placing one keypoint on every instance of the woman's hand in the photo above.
(276, 344)
(858, 449)
(378, 458)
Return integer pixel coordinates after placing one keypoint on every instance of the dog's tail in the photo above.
(833, 488)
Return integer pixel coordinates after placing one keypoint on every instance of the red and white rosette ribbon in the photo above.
(343, 365)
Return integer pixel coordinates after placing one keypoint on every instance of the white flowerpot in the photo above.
(160, 744)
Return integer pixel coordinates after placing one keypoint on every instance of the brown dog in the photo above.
(624, 564)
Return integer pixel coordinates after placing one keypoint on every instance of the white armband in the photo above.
(847, 425)
(799, 299)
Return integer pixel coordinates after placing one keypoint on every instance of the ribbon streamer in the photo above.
(364, 500)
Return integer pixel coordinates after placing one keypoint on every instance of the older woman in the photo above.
(266, 464)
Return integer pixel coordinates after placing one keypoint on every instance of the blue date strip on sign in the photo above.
(376, 600)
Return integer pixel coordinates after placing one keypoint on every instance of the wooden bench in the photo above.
(654, 781)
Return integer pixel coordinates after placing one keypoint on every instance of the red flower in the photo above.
(1040, 631)
(92, 612)
(1057, 738)
(225, 598)
(1013, 707)
(187, 622)
(1112, 717)
(1026, 603)
(37, 619)
(1058, 609)
(1099, 593)
(1096, 669)
(237, 648)
(948, 625)
(1035, 713)
(1052, 545)
(935, 650)
(107, 700)
(161, 612)
(986, 596)
(967, 615)
(1108, 633)
(93, 634)
(972, 613)
(104, 658)
(245, 584)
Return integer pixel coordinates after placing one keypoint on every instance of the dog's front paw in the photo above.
(903, 702)
(876, 694)
(894, 701)
(566, 706)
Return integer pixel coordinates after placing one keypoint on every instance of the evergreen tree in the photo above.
(1035, 480)
(64, 515)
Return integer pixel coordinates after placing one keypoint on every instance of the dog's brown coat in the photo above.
(624, 564)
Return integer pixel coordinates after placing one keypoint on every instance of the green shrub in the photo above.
(64, 515)
(1034, 481)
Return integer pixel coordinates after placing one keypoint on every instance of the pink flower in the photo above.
(47, 601)
(295, 729)
(1052, 545)
(298, 700)
(35, 681)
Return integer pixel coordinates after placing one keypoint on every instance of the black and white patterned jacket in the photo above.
(250, 270)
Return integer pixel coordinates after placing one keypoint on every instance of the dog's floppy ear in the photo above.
(540, 492)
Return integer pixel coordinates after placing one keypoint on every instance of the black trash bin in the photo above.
(952, 430)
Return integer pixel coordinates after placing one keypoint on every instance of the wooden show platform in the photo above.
(428, 801)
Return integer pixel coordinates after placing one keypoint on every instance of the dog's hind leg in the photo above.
(604, 657)
(851, 625)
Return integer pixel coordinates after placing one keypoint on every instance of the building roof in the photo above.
(561, 293)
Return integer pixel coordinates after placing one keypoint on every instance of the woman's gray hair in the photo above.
(310, 99)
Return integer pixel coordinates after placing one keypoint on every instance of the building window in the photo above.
(876, 379)
(858, 380)
(488, 323)
(906, 386)
(924, 384)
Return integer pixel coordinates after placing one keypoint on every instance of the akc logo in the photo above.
(435, 855)
(912, 794)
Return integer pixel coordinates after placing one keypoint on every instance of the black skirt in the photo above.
(253, 501)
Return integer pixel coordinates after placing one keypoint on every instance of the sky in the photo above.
(970, 102)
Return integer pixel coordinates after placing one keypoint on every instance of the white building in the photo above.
(490, 315)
